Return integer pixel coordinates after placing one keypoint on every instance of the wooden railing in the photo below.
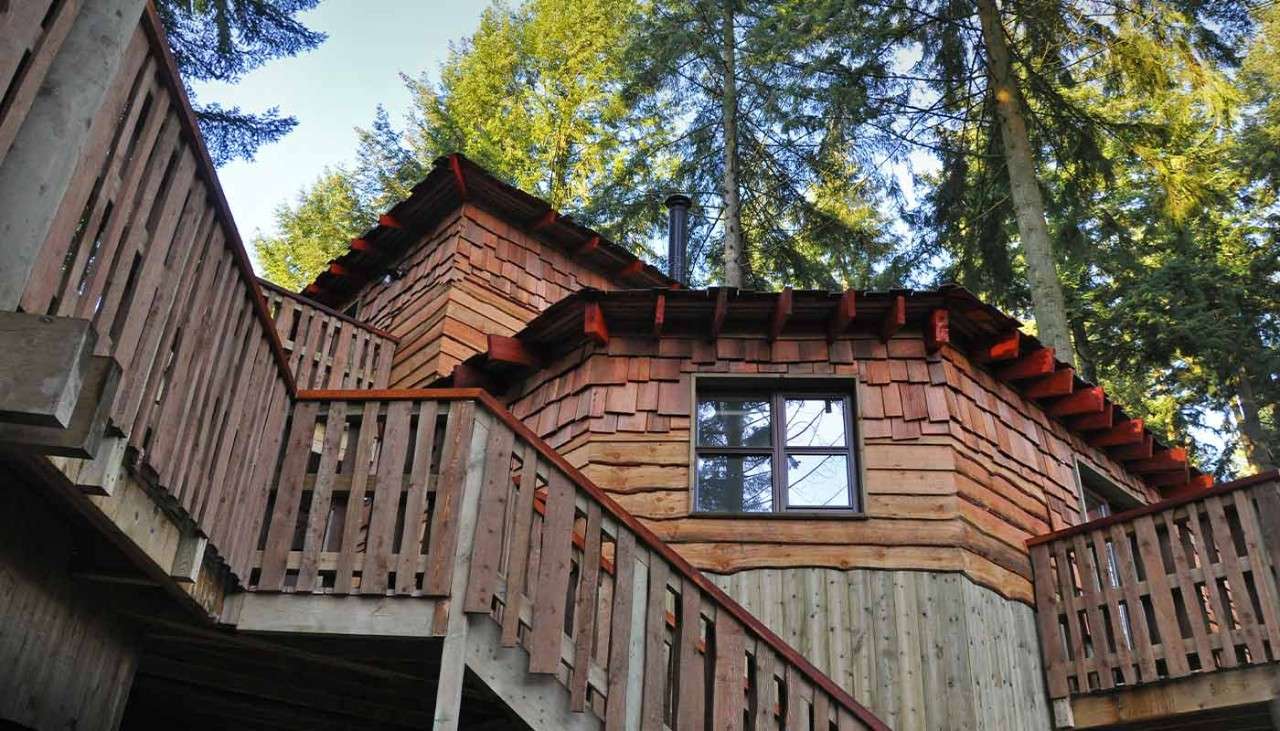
(1181, 587)
(142, 245)
(327, 349)
(373, 490)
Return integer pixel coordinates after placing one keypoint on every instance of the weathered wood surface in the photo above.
(1166, 593)
(628, 628)
(142, 246)
(327, 349)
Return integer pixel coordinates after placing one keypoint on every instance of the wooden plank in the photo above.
(393, 455)
(767, 700)
(1260, 564)
(490, 521)
(937, 331)
(1091, 598)
(1047, 611)
(842, 316)
(449, 484)
(691, 666)
(1175, 656)
(321, 496)
(620, 630)
(1075, 635)
(655, 638)
(781, 313)
(1217, 603)
(288, 493)
(730, 670)
(584, 614)
(359, 468)
(1036, 363)
(1234, 575)
(1180, 547)
(798, 691)
(415, 507)
(516, 569)
(894, 319)
(553, 576)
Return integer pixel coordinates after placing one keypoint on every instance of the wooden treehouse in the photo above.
(492, 471)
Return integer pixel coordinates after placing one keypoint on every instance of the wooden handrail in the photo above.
(303, 299)
(683, 568)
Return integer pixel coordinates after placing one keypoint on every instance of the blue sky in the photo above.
(332, 90)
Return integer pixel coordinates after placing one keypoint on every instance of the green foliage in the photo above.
(222, 40)
(314, 230)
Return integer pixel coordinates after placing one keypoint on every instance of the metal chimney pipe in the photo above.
(678, 236)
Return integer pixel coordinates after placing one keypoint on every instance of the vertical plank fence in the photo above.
(327, 349)
(1183, 587)
(366, 503)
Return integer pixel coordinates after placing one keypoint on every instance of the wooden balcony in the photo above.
(1164, 611)
(441, 497)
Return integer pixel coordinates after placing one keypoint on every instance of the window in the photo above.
(1099, 495)
(760, 450)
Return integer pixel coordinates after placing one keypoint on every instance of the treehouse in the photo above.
(490, 470)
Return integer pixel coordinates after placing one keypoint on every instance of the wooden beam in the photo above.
(630, 269)
(511, 351)
(593, 324)
(468, 376)
(1126, 432)
(361, 245)
(842, 317)
(722, 309)
(1173, 478)
(389, 221)
(781, 313)
(937, 330)
(1141, 450)
(588, 248)
(659, 314)
(1058, 383)
(545, 220)
(894, 317)
(1036, 363)
(1190, 488)
(459, 180)
(1103, 419)
(1166, 460)
(1004, 347)
(338, 270)
(1086, 401)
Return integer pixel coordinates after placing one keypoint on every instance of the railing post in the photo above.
(38, 169)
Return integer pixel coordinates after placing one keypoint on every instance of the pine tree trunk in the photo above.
(733, 251)
(1047, 298)
(1252, 434)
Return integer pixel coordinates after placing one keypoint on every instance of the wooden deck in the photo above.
(1148, 601)
(462, 506)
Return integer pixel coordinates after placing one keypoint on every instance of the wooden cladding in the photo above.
(629, 629)
(143, 247)
(1163, 593)
(327, 350)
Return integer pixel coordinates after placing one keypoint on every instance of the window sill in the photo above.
(789, 515)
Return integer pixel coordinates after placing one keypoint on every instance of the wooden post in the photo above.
(39, 167)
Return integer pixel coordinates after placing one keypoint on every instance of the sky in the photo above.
(333, 89)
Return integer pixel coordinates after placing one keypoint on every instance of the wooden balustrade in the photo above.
(327, 349)
(373, 489)
(1181, 587)
(143, 246)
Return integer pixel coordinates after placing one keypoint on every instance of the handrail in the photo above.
(1156, 507)
(305, 300)
(647, 538)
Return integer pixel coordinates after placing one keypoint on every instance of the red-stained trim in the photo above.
(360, 245)
(652, 542)
(781, 313)
(630, 269)
(459, 179)
(1036, 363)
(503, 349)
(545, 220)
(1166, 460)
(659, 314)
(589, 248)
(338, 270)
(390, 221)
(1087, 401)
(937, 331)
(894, 318)
(1174, 479)
(329, 311)
(159, 43)
(1003, 348)
(1058, 383)
(594, 325)
(1126, 432)
(842, 317)
(1169, 504)
(721, 311)
(1104, 419)
(1141, 450)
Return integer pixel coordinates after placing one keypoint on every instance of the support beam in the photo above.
(361, 245)
(545, 220)
(1058, 383)
(1103, 419)
(589, 248)
(630, 269)
(1032, 365)
(1166, 460)
(721, 311)
(42, 367)
(1086, 401)
(1126, 432)
(659, 314)
(1002, 348)
(389, 221)
(937, 330)
(62, 131)
(846, 310)
(512, 351)
(1141, 450)
(894, 318)
(1196, 484)
(1167, 479)
(594, 325)
(781, 313)
(468, 376)
(459, 179)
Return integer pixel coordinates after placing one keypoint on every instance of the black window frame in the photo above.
(776, 391)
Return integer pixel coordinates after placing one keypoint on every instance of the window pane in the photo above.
(818, 481)
(733, 422)
(735, 484)
(815, 422)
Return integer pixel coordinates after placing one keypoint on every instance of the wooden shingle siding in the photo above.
(473, 275)
(959, 469)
